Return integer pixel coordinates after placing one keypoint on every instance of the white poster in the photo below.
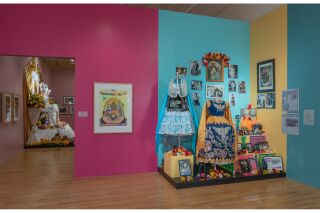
(290, 101)
(290, 124)
(308, 117)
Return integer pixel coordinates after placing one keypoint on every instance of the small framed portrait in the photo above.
(181, 71)
(185, 167)
(196, 85)
(249, 147)
(271, 163)
(196, 98)
(270, 100)
(232, 86)
(215, 71)
(245, 166)
(6, 113)
(71, 110)
(266, 76)
(195, 68)
(261, 101)
(63, 111)
(233, 71)
(214, 91)
(15, 110)
(242, 87)
(232, 99)
(68, 100)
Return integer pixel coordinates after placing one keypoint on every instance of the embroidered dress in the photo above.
(216, 135)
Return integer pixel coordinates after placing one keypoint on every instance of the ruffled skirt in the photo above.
(177, 124)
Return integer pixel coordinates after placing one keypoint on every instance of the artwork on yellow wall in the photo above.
(266, 76)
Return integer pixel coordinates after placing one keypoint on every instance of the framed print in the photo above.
(232, 99)
(196, 85)
(196, 98)
(270, 100)
(215, 71)
(242, 87)
(63, 111)
(185, 167)
(195, 68)
(68, 100)
(271, 163)
(266, 76)
(181, 71)
(6, 102)
(232, 86)
(112, 108)
(15, 109)
(261, 101)
(214, 91)
(233, 71)
(71, 110)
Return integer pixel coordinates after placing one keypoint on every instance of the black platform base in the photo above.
(176, 182)
(49, 146)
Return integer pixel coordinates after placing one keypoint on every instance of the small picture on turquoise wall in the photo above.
(196, 98)
(270, 100)
(232, 86)
(261, 101)
(215, 71)
(214, 91)
(233, 71)
(181, 71)
(242, 87)
(195, 68)
(196, 85)
(232, 99)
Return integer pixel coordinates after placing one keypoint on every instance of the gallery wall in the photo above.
(184, 37)
(11, 81)
(268, 39)
(303, 73)
(110, 43)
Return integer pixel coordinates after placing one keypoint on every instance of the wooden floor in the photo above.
(43, 178)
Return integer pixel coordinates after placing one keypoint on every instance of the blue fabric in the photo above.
(217, 109)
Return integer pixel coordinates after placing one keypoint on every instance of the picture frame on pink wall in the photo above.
(112, 108)
(15, 108)
(6, 108)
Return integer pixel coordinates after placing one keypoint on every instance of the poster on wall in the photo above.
(214, 91)
(195, 68)
(290, 100)
(15, 112)
(6, 107)
(112, 108)
(232, 99)
(290, 124)
(266, 76)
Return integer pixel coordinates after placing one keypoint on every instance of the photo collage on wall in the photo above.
(266, 97)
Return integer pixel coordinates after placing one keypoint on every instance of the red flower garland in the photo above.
(216, 56)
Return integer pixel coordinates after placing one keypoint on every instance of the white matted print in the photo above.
(6, 107)
(214, 91)
(232, 99)
(112, 108)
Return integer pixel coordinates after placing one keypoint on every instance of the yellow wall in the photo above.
(269, 40)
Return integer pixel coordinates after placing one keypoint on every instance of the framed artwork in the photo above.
(214, 91)
(6, 102)
(196, 85)
(63, 111)
(15, 109)
(233, 71)
(232, 86)
(112, 108)
(270, 100)
(68, 100)
(185, 167)
(196, 98)
(242, 87)
(195, 68)
(181, 71)
(215, 71)
(253, 166)
(245, 165)
(232, 99)
(271, 163)
(261, 101)
(266, 76)
(71, 110)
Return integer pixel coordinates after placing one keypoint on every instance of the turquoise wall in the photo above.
(185, 37)
(304, 73)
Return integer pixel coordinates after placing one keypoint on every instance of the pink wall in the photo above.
(11, 81)
(110, 43)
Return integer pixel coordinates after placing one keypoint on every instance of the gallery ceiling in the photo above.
(245, 12)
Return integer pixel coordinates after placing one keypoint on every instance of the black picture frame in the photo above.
(186, 162)
(68, 100)
(268, 67)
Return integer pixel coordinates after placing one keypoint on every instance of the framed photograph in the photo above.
(242, 87)
(195, 68)
(185, 167)
(266, 76)
(233, 71)
(261, 101)
(15, 109)
(253, 165)
(232, 99)
(71, 110)
(68, 100)
(63, 111)
(196, 98)
(196, 85)
(271, 163)
(215, 71)
(245, 165)
(232, 86)
(214, 91)
(181, 71)
(270, 100)
(6, 102)
(112, 108)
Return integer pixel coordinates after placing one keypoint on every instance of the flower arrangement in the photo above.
(216, 56)
(36, 101)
